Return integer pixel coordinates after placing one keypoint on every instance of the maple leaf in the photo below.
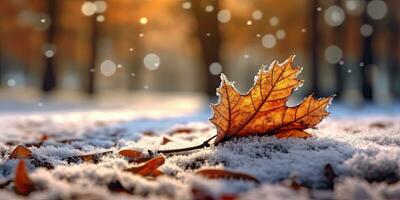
(263, 110)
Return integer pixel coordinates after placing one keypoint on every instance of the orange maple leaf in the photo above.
(263, 110)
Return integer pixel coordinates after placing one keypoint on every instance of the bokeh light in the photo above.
(333, 54)
(215, 68)
(108, 68)
(224, 16)
(151, 61)
(334, 16)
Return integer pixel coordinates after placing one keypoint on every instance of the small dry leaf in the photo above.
(263, 110)
(201, 194)
(134, 156)
(379, 125)
(181, 131)
(165, 141)
(229, 197)
(330, 175)
(149, 133)
(225, 174)
(149, 168)
(20, 152)
(23, 184)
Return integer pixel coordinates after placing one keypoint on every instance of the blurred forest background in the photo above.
(349, 48)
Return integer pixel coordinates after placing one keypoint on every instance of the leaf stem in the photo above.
(200, 146)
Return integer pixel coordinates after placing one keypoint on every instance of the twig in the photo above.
(200, 146)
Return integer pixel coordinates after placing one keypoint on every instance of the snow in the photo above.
(362, 148)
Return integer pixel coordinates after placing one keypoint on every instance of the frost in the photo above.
(360, 150)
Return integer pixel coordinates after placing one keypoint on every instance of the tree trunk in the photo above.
(49, 76)
(93, 58)
(314, 48)
(210, 40)
(394, 69)
(368, 59)
(338, 68)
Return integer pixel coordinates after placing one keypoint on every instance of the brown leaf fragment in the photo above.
(20, 152)
(225, 174)
(262, 110)
(181, 131)
(228, 197)
(149, 133)
(165, 141)
(149, 168)
(201, 194)
(330, 175)
(380, 125)
(134, 156)
(23, 184)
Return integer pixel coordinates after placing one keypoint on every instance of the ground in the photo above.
(361, 147)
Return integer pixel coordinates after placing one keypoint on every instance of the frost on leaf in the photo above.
(263, 110)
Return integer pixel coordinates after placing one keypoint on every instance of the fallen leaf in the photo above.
(23, 184)
(20, 152)
(149, 133)
(263, 110)
(165, 141)
(330, 175)
(228, 197)
(225, 174)
(149, 168)
(379, 125)
(134, 156)
(201, 194)
(181, 131)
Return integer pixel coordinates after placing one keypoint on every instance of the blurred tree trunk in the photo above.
(394, 69)
(210, 40)
(339, 33)
(1, 51)
(49, 75)
(314, 47)
(368, 59)
(91, 89)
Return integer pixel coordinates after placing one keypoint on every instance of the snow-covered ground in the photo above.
(361, 145)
